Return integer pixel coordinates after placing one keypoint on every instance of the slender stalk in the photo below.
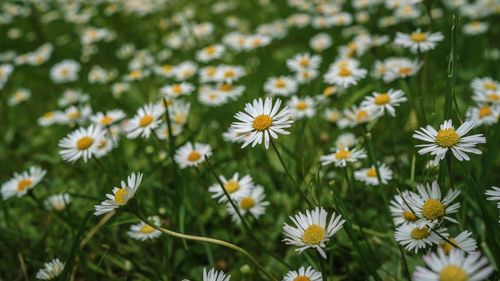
(309, 204)
(205, 240)
(321, 266)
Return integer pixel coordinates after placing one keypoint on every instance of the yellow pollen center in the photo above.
(48, 115)
(371, 173)
(280, 83)
(490, 86)
(361, 115)
(447, 138)
(167, 68)
(484, 111)
(64, 72)
(313, 234)
(177, 89)
(344, 72)
(409, 216)
(135, 74)
(418, 37)
(229, 73)
(453, 273)
(382, 99)
(106, 120)
(102, 144)
(247, 203)
(84, 143)
(328, 91)
(447, 247)
(301, 278)
(493, 97)
(210, 50)
(433, 209)
(211, 71)
(194, 156)
(420, 233)
(74, 115)
(405, 71)
(225, 87)
(342, 154)
(145, 120)
(23, 184)
(146, 229)
(304, 62)
(262, 122)
(231, 186)
(120, 196)
(301, 105)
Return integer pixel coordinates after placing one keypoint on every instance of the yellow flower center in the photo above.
(409, 216)
(361, 115)
(484, 111)
(229, 73)
(74, 115)
(280, 83)
(344, 72)
(490, 86)
(23, 184)
(106, 120)
(102, 144)
(342, 154)
(328, 91)
(301, 278)
(262, 122)
(247, 203)
(382, 99)
(194, 156)
(167, 68)
(146, 229)
(453, 273)
(493, 97)
(418, 37)
(313, 234)
(420, 233)
(447, 138)
(304, 62)
(84, 143)
(372, 173)
(211, 71)
(405, 71)
(145, 120)
(225, 87)
(210, 50)
(134, 74)
(121, 196)
(447, 247)
(433, 209)
(177, 89)
(64, 72)
(231, 186)
(48, 115)
(301, 105)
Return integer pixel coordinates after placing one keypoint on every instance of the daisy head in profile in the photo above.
(252, 203)
(384, 102)
(145, 121)
(143, 231)
(214, 275)
(262, 121)
(192, 155)
(430, 207)
(65, 71)
(51, 270)
(418, 41)
(301, 107)
(344, 73)
(369, 175)
(281, 86)
(121, 195)
(400, 211)
(464, 241)
(236, 186)
(447, 138)
(108, 118)
(303, 274)
(57, 202)
(484, 114)
(342, 156)
(456, 266)
(312, 230)
(81, 143)
(21, 183)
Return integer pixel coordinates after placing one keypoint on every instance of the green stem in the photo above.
(321, 266)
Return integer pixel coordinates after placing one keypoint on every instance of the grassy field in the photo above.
(298, 140)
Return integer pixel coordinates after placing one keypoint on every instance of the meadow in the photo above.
(217, 140)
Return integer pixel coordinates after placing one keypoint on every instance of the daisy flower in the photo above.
(429, 207)
(413, 237)
(382, 102)
(312, 230)
(320, 42)
(19, 96)
(145, 121)
(456, 266)
(108, 118)
(210, 53)
(344, 73)
(121, 195)
(229, 73)
(463, 241)
(57, 202)
(447, 138)
(418, 41)
(397, 68)
(185, 70)
(236, 187)
(49, 118)
(143, 231)
(494, 195)
(369, 175)
(487, 97)
(306, 75)
(282, 86)
(262, 121)
(253, 203)
(485, 84)
(74, 114)
(65, 71)
(177, 90)
(106, 144)
(214, 275)
(342, 156)
(345, 140)
(302, 62)
(303, 274)
(21, 183)
(301, 107)
(483, 115)
(81, 143)
(192, 155)
(401, 213)
(475, 28)
(50, 270)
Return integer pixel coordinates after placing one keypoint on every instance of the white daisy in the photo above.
(401, 213)
(369, 175)
(342, 156)
(50, 270)
(494, 195)
(302, 62)
(108, 118)
(320, 42)
(21, 183)
(19, 96)
(262, 121)
(475, 28)
(214, 275)
(236, 187)
(177, 90)
(484, 84)
(81, 143)
(252, 203)
(192, 155)
(418, 41)
(396, 68)
(483, 114)
(229, 73)
(447, 138)
(413, 237)
(456, 266)
(210, 53)
(57, 202)
(463, 241)
(49, 118)
(281, 86)
(75, 114)
(65, 71)
(145, 121)
(120, 196)
(303, 274)
(487, 97)
(382, 102)
(301, 107)
(312, 230)
(143, 231)
(345, 140)
(106, 144)
(344, 73)
(429, 207)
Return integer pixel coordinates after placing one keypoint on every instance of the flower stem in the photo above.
(321, 266)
